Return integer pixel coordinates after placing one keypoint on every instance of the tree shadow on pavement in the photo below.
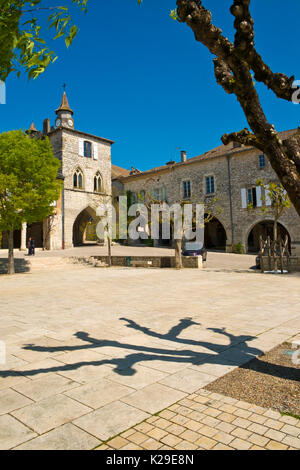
(213, 353)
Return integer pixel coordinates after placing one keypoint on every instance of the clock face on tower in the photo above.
(57, 122)
(70, 123)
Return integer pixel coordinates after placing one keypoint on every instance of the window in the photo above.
(210, 184)
(97, 182)
(142, 195)
(252, 197)
(87, 149)
(187, 189)
(133, 198)
(156, 194)
(262, 161)
(78, 179)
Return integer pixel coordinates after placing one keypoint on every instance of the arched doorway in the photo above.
(17, 240)
(35, 231)
(265, 228)
(215, 235)
(84, 228)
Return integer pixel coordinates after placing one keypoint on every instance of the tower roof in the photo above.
(64, 106)
(32, 127)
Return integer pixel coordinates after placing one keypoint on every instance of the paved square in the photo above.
(92, 352)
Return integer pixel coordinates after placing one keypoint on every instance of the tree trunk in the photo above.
(178, 249)
(275, 239)
(11, 262)
(233, 70)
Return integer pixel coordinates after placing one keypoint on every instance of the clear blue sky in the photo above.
(135, 76)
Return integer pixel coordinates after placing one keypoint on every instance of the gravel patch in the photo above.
(270, 381)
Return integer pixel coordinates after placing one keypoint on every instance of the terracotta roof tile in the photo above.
(32, 127)
(221, 150)
(117, 171)
(64, 106)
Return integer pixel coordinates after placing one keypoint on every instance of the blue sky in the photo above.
(135, 76)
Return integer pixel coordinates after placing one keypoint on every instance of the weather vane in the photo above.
(64, 86)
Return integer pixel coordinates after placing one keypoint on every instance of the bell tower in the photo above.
(64, 114)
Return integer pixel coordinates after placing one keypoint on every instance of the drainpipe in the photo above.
(230, 196)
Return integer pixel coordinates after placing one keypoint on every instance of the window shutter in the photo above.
(81, 148)
(244, 198)
(267, 197)
(163, 193)
(95, 151)
(258, 196)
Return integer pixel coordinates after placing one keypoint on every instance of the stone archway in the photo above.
(36, 232)
(4, 240)
(84, 228)
(215, 235)
(264, 228)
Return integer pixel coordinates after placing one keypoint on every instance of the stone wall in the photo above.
(241, 168)
(192, 262)
(66, 145)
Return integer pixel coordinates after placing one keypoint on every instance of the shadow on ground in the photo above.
(145, 354)
(21, 265)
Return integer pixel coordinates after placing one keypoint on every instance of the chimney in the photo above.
(46, 126)
(183, 156)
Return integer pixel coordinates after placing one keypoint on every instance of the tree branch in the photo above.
(244, 137)
(199, 19)
(292, 148)
(279, 83)
(224, 76)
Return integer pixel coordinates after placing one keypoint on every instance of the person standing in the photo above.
(32, 247)
(29, 246)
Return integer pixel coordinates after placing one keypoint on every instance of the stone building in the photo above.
(226, 173)
(229, 174)
(86, 174)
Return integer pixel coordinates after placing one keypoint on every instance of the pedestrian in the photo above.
(29, 246)
(32, 247)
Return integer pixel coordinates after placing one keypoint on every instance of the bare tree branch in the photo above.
(233, 66)
(279, 83)
(224, 76)
(199, 19)
(244, 137)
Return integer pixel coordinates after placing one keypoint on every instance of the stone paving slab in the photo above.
(66, 437)
(153, 398)
(110, 420)
(12, 432)
(212, 367)
(141, 377)
(209, 421)
(11, 400)
(143, 333)
(98, 394)
(187, 380)
(50, 413)
(45, 387)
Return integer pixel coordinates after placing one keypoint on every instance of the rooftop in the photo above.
(217, 152)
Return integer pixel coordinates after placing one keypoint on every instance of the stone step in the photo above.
(39, 263)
